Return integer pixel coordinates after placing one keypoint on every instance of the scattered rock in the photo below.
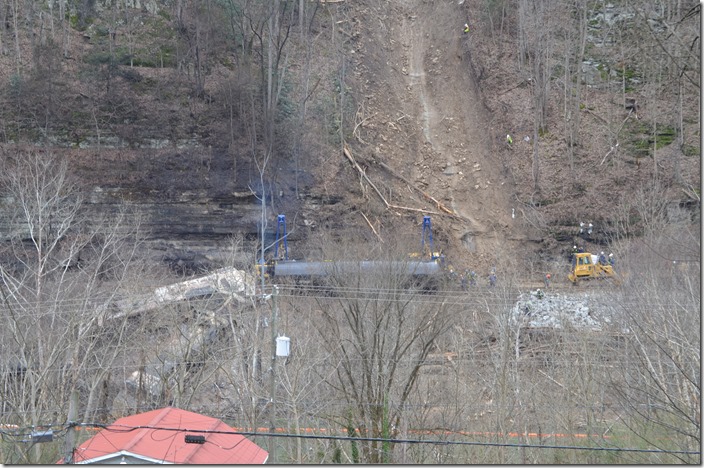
(554, 310)
(450, 170)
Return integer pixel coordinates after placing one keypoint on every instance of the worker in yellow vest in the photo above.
(466, 28)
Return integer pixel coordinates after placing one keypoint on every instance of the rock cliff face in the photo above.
(191, 230)
(189, 202)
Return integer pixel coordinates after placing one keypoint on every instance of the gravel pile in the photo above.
(555, 310)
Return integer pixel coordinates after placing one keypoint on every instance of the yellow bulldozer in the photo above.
(587, 266)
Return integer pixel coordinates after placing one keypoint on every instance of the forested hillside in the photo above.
(145, 143)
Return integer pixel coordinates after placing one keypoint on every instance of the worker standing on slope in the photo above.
(466, 28)
(492, 279)
(509, 140)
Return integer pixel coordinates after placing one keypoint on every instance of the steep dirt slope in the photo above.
(422, 116)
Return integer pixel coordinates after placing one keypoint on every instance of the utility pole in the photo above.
(272, 424)
(70, 441)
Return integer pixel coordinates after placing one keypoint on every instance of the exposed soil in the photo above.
(435, 105)
(423, 118)
(432, 109)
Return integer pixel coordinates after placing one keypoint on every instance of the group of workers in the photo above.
(469, 278)
(603, 259)
(586, 227)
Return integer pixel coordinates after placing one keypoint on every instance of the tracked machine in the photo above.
(587, 266)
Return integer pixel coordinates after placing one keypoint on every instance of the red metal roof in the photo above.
(156, 444)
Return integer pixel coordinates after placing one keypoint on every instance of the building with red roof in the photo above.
(159, 436)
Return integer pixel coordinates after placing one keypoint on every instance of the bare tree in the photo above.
(58, 271)
(48, 205)
(378, 329)
(537, 46)
(660, 388)
(300, 399)
(574, 56)
(198, 24)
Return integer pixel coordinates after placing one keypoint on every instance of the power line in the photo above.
(484, 299)
(389, 440)
(126, 428)
(312, 404)
(559, 362)
(473, 291)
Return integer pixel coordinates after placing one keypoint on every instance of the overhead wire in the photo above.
(343, 292)
(314, 404)
(603, 363)
(347, 293)
(126, 428)
(447, 298)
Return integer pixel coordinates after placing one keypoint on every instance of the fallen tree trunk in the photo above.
(348, 155)
(399, 176)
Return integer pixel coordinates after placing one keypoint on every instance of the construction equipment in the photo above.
(427, 250)
(280, 249)
(587, 266)
(281, 235)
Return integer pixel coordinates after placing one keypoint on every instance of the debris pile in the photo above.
(231, 281)
(538, 309)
